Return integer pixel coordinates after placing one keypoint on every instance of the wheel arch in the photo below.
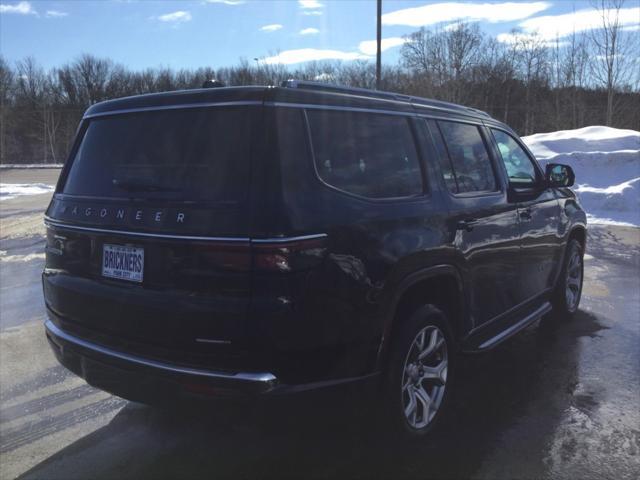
(440, 285)
(579, 233)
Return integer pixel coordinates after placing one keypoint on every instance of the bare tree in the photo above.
(574, 72)
(33, 96)
(6, 83)
(532, 54)
(92, 75)
(444, 57)
(613, 58)
(463, 52)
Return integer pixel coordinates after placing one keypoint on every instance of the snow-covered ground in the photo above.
(606, 162)
(39, 166)
(13, 190)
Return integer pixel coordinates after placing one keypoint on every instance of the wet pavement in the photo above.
(560, 400)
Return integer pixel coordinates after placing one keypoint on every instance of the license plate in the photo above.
(123, 262)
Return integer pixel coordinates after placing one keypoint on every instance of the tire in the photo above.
(417, 390)
(568, 290)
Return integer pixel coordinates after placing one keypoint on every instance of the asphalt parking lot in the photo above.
(559, 401)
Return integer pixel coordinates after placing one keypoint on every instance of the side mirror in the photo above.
(558, 175)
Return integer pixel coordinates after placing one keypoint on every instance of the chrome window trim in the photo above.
(51, 222)
(470, 119)
(412, 106)
(264, 378)
(288, 239)
(172, 107)
(311, 106)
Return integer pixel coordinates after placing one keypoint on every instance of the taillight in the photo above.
(225, 256)
(288, 255)
(268, 255)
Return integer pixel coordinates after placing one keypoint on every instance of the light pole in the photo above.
(379, 45)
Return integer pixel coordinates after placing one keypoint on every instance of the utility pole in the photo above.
(379, 45)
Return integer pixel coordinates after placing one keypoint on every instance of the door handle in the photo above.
(525, 214)
(467, 224)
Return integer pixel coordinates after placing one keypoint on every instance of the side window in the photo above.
(470, 168)
(519, 167)
(372, 155)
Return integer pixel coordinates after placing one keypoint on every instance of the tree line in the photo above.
(530, 83)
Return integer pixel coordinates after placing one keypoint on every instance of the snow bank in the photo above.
(10, 166)
(607, 166)
(13, 190)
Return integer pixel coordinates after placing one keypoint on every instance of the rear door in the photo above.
(483, 224)
(148, 232)
(539, 214)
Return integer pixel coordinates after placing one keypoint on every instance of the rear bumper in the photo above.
(147, 380)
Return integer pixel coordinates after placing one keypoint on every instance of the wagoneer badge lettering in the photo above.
(104, 216)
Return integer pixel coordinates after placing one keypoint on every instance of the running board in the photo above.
(502, 335)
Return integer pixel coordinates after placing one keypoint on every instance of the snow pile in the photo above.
(11, 166)
(607, 166)
(13, 190)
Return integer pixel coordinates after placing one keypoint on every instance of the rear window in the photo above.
(371, 155)
(191, 154)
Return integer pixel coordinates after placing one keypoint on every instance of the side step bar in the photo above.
(504, 334)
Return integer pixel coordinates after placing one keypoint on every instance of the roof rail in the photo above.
(329, 87)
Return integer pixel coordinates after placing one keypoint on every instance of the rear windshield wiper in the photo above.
(139, 185)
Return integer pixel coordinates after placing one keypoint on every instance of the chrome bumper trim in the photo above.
(265, 380)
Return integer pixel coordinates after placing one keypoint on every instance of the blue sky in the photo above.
(194, 33)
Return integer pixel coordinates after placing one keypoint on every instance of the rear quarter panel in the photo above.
(335, 313)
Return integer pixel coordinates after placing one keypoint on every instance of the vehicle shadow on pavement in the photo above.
(519, 390)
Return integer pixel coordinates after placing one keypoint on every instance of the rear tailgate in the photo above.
(147, 237)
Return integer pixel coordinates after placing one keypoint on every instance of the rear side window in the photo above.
(469, 168)
(371, 155)
(191, 154)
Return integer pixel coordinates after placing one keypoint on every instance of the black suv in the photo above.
(259, 240)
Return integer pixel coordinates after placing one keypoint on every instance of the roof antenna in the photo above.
(212, 83)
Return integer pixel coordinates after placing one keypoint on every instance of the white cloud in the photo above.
(21, 8)
(310, 4)
(309, 31)
(271, 28)
(56, 14)
(289, 57)
(632, 28)
(370, 47)
(453, 11)
(552, 26)
(310, 7)
(180, 16)
(522, 40)
(226, 2)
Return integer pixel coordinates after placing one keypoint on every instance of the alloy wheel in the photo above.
(424, 377)
(574, 281)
